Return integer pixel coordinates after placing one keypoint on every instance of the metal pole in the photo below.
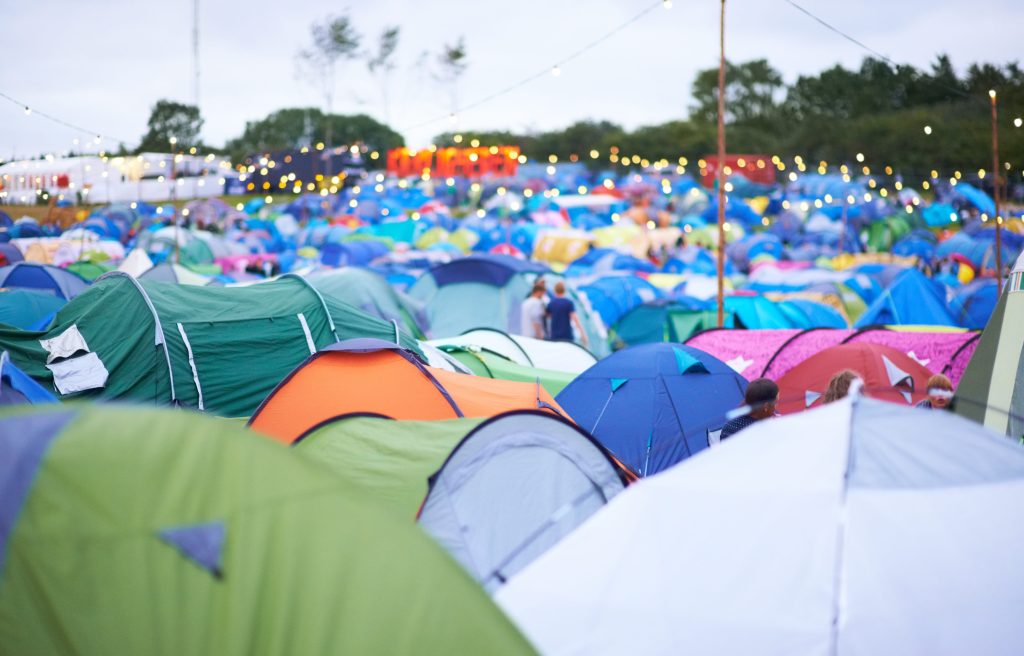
(995, 184)
(721, 170)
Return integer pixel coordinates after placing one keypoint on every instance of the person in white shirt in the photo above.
(532, 313)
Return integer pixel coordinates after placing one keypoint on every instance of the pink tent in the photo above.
(771, 353)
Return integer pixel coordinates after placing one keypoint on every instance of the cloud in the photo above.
(105, 62)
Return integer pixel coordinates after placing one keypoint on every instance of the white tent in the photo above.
(527, 351)
(861, 527)
(137, 263)
(515, 486)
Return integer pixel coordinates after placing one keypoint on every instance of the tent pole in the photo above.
(721, 170)
(995, 184)
(842, 236)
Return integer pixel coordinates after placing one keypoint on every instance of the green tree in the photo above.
(751, 89)
(332, 40)
(382, 62)
(170, 119)
(452, 63)
(286, 128)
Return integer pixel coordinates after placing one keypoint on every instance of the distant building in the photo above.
(306, 169)
(148, 177)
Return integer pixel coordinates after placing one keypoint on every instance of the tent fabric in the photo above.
(368, 375)
(220, 350)
(869, 506)
(514, 487)
(991, 391)
(909, 299)
(371, 293)
(142, 511)
(43, 277)
(648, 409)
(486, 363)
(771, 353)
(174, 273)
(27, 308)
(388, 460)
(567, 357)
(886, 373)
(18, 387)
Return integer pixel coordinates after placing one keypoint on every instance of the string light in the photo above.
(927, 129)
(556, 71)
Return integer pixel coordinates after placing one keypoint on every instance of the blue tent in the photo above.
(972, 195)
(654, 405)
(614, 296)
(18, 387)
(28, 308)
(9, 254)
(973, 304)
(352, 253)
(911, 299)
(735, 210)
(59, 282)
(743, 251)
(810, 314)
(601, 261)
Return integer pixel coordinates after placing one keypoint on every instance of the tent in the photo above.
(887, 374)
(43, 277)
(654, 405)
(371, 293)
(9, 254)
(991, 391)
(386, 459)
(664, 320)
(514, 487)
(613, 296)
(136, 263)
(374, 376)
(487, 363)
(220, 350)
(18, 387)
(910, 299)
(858, 528)
(178, 534)
(28, 309)
(175, 273)
(973, 304)
(771, 353)
(527, 351)
(476, 291)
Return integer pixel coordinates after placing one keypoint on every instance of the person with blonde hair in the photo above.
(940, 393)
(839, 385)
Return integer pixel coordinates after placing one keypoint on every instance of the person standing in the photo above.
(563, 317)
(532, 313)
(761, 396)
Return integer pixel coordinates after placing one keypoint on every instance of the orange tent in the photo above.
(374, 376)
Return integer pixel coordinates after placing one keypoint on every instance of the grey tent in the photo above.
(515, 486)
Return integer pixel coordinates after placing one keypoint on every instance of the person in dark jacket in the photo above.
(761, 396)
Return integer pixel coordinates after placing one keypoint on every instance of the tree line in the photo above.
(916, 120)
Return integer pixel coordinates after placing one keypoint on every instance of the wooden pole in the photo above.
(721, 170)
(995, 184)
(842, 236)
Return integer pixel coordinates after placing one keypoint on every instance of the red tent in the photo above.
(888, 374)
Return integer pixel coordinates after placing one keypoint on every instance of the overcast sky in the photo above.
(101, 64)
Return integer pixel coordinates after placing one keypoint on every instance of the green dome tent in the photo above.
(177, 534)
(371, 293)
(487, 363)
(389, 460)
(221, 350)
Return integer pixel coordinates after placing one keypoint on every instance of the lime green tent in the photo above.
(881, 235)
(389, 460)
(88, 269)
(220, 350)
(489, 364)
(148, 531)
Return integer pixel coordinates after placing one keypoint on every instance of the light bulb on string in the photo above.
(1017, 122)
(927, 129)
(28, 110)
(556, 71)
(667, 4)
